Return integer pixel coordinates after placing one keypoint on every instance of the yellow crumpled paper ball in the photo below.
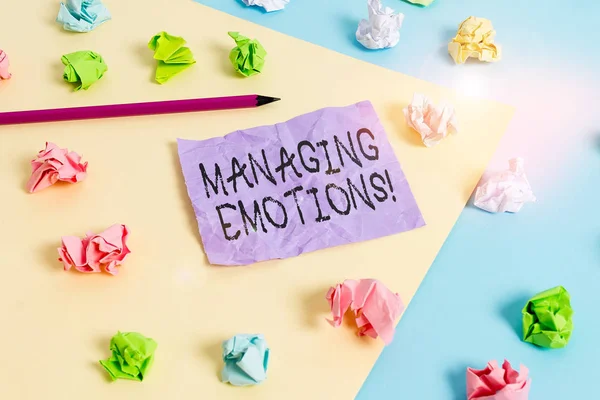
(475, 38)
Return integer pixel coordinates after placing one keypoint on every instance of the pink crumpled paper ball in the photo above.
(107, 249)
(375, 307)
(498, 383)
(55, 164)
(432, 122)
(4, 64)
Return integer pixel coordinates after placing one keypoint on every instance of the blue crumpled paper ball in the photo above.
(246, 358)
(82, 15)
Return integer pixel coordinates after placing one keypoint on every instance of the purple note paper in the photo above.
(319, 180)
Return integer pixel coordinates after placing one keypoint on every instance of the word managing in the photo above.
(305, 158)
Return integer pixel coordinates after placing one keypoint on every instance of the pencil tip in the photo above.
(262, 100)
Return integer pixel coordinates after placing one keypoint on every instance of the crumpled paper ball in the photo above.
(171, 55)
(548, 319)
(132, 356)
(375, 307)
(382, 29)
(423, 3)
(507, 191)
(82, 15)
(431, 122)
(106, 250)
(83, 67)
(498, 383)
(248, 56)
(4, 64)
(54, 164)
(475, 38)
(246, 358)
(268, 5)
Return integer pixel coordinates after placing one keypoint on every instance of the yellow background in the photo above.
(56, 325)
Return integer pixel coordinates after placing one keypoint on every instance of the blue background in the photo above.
(468, 309)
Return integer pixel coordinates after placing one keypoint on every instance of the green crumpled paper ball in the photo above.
(132, 356)
(248, 57)
(83, 67)
(548, 318)
(171, 54)
(423, 3)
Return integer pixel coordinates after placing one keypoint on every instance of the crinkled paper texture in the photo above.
(475, 38)
(397, 212)
(507, 191)
(248, 56)
(382, 29)
(268, 5)
(375, 307)
(83, 67)
(432, 122)
(54, 164)
(171, 55)
(132, 356)
(246, 359)
(106, 250)
(548, 319)
(82, 15)
(423, 3)
(4, 64)
(498, 383)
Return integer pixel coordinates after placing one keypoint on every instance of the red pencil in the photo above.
(134, 109)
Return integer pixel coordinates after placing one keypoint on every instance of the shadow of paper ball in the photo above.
(49, 256)
(511, 312)
(145, 59)
(456, 379)
(395, 113)
(213, 352)
(221, 53)
(315, 308)
(183, 194)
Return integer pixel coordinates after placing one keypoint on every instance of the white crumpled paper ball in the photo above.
(507, 191)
